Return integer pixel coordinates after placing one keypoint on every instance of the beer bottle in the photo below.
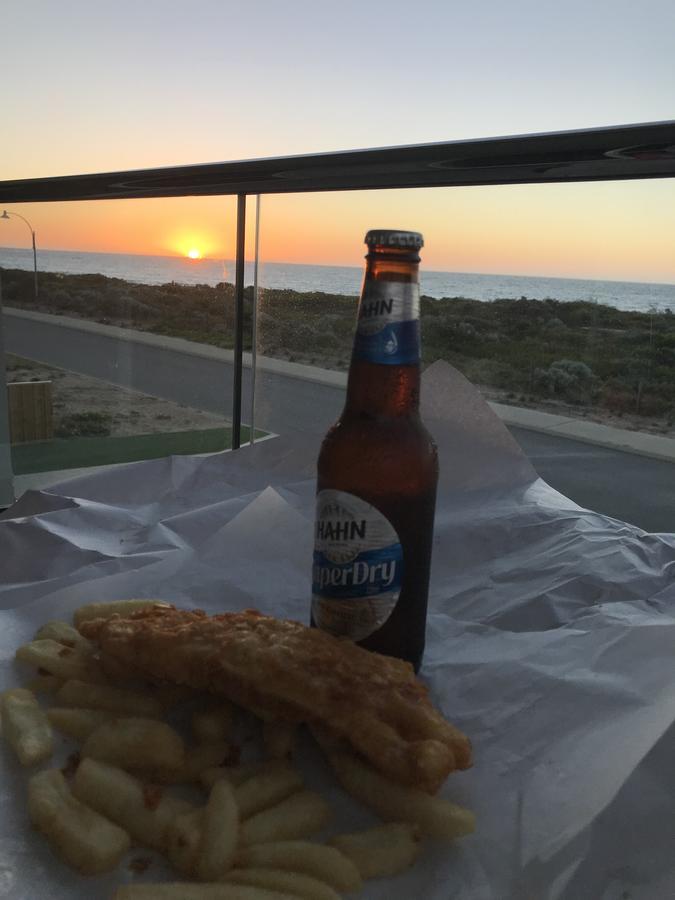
(378, 469)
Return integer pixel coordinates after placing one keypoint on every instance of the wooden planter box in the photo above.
(30, 411)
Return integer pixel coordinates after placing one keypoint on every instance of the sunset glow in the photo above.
(620, 230)
(615, 230)
(193, 227)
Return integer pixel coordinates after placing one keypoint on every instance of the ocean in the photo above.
(624, 295)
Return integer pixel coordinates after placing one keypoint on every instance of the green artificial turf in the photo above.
(79, 452)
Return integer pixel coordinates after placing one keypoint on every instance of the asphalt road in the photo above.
(193, 380)
(627, 486)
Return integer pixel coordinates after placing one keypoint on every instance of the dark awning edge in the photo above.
(599, 154)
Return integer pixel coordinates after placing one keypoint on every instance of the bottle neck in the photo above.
(384, 375)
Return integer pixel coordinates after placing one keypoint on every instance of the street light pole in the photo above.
(6, 215)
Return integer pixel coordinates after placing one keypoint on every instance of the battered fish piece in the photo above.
(288, 671)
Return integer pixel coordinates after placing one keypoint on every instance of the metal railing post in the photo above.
(6, 473)
(254, 322)
(238, 321)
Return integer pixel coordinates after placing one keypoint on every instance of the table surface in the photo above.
(550, 643)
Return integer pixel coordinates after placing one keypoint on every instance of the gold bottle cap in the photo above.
(385, 237)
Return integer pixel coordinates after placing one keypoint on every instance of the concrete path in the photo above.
(194, 374)
(621, 473)
(652, 445)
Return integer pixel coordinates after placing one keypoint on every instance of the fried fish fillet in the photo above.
(283, 669)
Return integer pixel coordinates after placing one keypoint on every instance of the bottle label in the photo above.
(388, 328)
(358, 566)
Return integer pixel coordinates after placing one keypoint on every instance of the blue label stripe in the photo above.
(372, 572)
(397, 344)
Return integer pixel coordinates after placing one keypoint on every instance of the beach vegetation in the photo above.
(84, 424)
(580, 354)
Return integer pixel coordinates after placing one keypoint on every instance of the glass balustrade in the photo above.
(556, 300)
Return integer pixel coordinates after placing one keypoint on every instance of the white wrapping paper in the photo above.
(551, 643)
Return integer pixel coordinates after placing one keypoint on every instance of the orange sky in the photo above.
(616, 230)
(85, 92)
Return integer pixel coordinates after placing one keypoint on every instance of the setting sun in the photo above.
(194, 254)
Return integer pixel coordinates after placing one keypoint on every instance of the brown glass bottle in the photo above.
(378, 470)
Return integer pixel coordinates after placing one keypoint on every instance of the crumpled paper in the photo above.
(551, 638)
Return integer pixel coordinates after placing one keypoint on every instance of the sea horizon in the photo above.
(320, 277)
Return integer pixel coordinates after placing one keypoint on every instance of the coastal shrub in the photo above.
(324, 340)
(579, 352)
(525, 355)
(652, 404)
(580, 314)
(109, 305)
(84, 424)
(617, 398)
(89, 297)
(555, 324)
(458, 335)
(664, 355)
(430, 306)
(641, 397)
(63, 300)
(492, 373)
(569, 379)
(466, 329)
(633, 336)
(341, 326)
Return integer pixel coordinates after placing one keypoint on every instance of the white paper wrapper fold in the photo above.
(551, 642)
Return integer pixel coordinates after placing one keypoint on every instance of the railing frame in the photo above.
(238, 322)
(639, 151)
(596, 154)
